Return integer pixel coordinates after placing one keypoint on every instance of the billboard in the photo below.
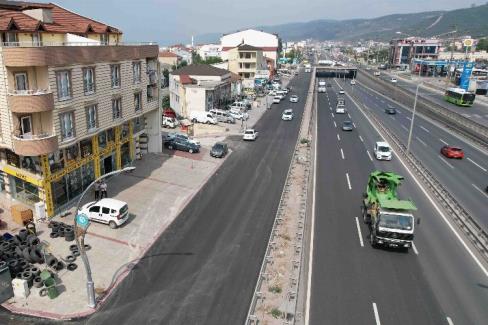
(466, 75)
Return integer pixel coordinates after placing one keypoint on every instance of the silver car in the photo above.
(347, 125)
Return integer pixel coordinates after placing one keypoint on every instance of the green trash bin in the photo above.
(50, 283)
(45, 275)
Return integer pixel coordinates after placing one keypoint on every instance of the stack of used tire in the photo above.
(60, 229)
(19, 253)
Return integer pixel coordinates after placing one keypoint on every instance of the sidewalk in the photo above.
(156, 191)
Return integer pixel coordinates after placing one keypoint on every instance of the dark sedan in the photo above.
(390, 110)
(219, 150)
(182, 144)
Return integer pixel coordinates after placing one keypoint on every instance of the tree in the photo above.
(482, 45)
(165, 102)
(183, 64)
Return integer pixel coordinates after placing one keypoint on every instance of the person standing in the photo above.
(96, 187)
(103, 189)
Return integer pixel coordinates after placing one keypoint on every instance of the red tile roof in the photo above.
(185, 79)
(167, 54)
(64, 21)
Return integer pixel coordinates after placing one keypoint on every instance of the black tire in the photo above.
(87, 247)
(194, 120)
(35, 271)
(190, 150)
(51, 261)
(19, 251)
(54, 235)
(36, 255)
(23, 265)
(59, 266)
(70, 258)
(23, 234)
(28, 277)
(37, 282)
(372, 241)
(16, 240)
(27, 254)
(73, 247)
(32, 240)
(61, 231)
(76, 253)
(112, 224)
(72, 266)
(43, 292)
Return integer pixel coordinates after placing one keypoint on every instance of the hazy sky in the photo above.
(171, 21)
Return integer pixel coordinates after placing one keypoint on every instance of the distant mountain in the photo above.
(468, 21)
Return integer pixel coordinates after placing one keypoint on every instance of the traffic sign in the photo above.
(468, 42)
(82, 220)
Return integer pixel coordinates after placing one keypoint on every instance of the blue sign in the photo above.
(82, 220)
(466, 75)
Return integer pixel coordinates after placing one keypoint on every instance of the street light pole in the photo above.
(80, 242)
(413, 118)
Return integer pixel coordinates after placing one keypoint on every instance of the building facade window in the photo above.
(117, 108)
(21, 82)
(136, 72)
(151, 93)
(11, 39)
(138, 101)
(89, 80)
(67, 125)
(91, 117)
(115, 75)
(63, 79)
(104, 39)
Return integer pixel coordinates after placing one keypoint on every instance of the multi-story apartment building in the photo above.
(75, 102)
(249, 63)
(402, 51)
(199, 87)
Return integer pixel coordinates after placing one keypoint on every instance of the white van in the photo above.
(109, 211)
(170, 122)
(202, 117)
(222, 116)
(382, 151)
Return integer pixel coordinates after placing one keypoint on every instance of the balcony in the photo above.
(35, 145)
(31, 101)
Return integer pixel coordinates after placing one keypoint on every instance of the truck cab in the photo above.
(392, 229)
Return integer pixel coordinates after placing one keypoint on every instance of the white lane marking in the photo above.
(449, 320)
(376, 314)
(335, 124)
(404, 127)
(434, 204)
(382, 101)
(349, 115)
(312, 230)
(392, 117)
(444, 142)
(332, 115)
(423, 128)
(359, 232)
(421, 141)
(369, 155)
(361, 138)
(353, 124)
(338, 137)
(415, 249)
(480, 190)
(481, 167)
(399, 112)
(348, 181)
(408, 118)
(342, 154)
(448, 164)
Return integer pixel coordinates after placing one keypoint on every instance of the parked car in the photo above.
(250, 135)
(452, 152)
(223, 116)
(108, 211)
(281, 93)
(347, 125)
(390, 110)
(340, 110)
(287, 115)
(276, 99)
(341, 91)
(329, 85)
(353, 82)
(240, 105)
(382, 151)
(393, 80)
(172, 135)
(238, 114)
(170, 122)
(272, 93)
(293, 99)
(377, 73)
(219, 150)
(202, 117)
(182, 144)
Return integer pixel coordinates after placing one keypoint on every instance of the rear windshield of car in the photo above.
(384, 149)
(249, 132)
(124, 209)
(456, 149)
(218, 146)
(347, 123)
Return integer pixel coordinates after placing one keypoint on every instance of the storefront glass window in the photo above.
(125, 154)
(56, 161)
(137, 124)
(60, 193)
(110, 135)
(88, 174)
(125, 130)
(102, 139)
(24, 191)
(86, 148)
(12, 158)
(32, 164)
(72, 153)
(74, 183)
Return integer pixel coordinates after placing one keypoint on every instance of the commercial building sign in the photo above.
(466, 75)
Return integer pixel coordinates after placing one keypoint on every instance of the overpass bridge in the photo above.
(323, 71)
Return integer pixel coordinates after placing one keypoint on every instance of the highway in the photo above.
(478, 112)
(204, 268)
(437, 282)
(466, 179)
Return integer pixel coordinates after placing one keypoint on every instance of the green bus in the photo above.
(459, 96)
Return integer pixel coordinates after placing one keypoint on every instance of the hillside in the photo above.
(468, 21)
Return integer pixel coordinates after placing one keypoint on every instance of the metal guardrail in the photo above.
(251, 318)
(470, 227)
(476, 132)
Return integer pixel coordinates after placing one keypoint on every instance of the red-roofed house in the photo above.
(169, 58)
(74, 102)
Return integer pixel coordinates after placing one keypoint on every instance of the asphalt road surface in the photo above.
(437, 282)
(203, 269)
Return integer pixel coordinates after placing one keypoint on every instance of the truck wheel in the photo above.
(366, 218)
(112, 225)
(170, 147)
(190, 150)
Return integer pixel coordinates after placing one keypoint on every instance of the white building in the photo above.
(199, 87)
(210, 50)
(270, 44)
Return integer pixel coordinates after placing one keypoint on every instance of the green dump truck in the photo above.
(390, 219)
